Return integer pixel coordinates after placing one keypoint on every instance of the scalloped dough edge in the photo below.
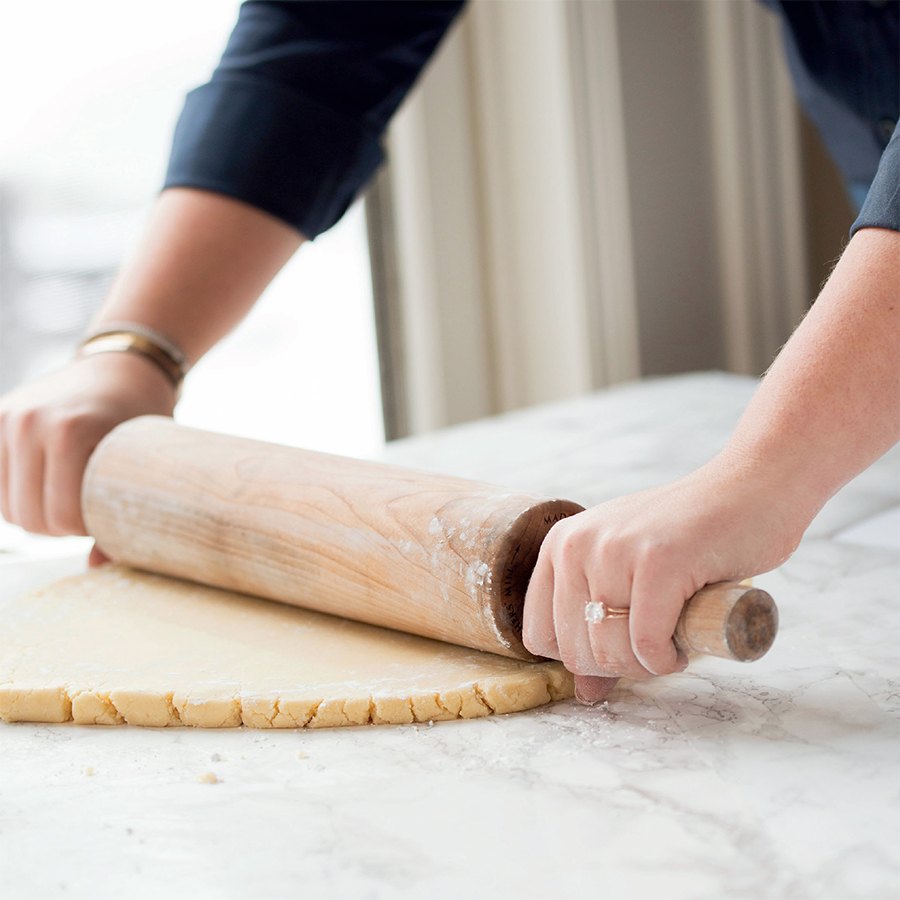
(499, 694)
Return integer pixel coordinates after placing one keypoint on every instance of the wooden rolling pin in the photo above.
(441, 557)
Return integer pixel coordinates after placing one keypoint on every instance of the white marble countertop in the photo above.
(774, 780)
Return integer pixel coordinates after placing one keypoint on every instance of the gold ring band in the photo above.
(597, 611)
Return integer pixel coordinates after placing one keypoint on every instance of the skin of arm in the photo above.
(204, 260)
(827, 409)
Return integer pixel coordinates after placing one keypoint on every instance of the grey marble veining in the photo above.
(626, 439)
(773, 780)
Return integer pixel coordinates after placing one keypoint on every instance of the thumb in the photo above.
(591, 689)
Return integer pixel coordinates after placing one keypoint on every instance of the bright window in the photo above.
(91, 94)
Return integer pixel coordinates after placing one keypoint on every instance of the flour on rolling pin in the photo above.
(441, 557)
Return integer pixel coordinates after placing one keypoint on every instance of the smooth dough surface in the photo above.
(116, 646)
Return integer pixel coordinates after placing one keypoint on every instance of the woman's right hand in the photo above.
(50, 427)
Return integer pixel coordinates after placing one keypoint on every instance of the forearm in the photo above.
(830, 404)
(204, 260)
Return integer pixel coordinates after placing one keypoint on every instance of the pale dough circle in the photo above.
(117, 646)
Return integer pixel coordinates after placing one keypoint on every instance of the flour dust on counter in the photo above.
(118, 646)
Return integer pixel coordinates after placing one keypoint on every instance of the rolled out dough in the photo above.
(117, 646)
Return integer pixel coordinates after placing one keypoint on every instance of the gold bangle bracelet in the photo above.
(122, 341)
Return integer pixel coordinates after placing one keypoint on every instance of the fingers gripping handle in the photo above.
(441, 557)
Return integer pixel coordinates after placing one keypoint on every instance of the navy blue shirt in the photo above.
(292, 119)
(845, 61)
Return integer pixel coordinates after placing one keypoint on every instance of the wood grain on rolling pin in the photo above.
(432, 555)
(437, 556)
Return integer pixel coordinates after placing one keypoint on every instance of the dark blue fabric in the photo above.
(292, 118)
(882, 205)
(845, 61)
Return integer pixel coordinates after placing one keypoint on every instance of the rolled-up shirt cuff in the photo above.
(882, 206)
(268, 145)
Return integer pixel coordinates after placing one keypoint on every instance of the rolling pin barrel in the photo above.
(432, 555)
(440, 557)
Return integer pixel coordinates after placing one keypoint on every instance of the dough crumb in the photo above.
(302, 754)
(208, 778)
(88, 770)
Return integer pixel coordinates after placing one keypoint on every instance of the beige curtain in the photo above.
(585, 192)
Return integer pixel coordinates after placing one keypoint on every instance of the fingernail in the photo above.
(585, 701)
(593, 689)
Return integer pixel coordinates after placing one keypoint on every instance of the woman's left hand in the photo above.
(647, 553)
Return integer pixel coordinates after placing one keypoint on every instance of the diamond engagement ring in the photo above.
(596, 612)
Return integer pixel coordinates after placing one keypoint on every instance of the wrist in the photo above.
(774, 487)
(127, 374)
(138, 340)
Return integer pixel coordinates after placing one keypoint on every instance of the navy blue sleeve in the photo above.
(844, 57)
(292, 118)
(881, 208)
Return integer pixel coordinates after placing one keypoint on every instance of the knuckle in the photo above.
(63, 519)
(32, 522)
(568, 549)
(561, 535)
(606, 664)
(647, 646)
(657, 656)
(607, 669)
(656, 558)
(560, 528)
(25, 425)
(537, 641)
(70, 430)
(568, 655)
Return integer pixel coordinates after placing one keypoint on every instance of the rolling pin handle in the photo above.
(728, 620)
